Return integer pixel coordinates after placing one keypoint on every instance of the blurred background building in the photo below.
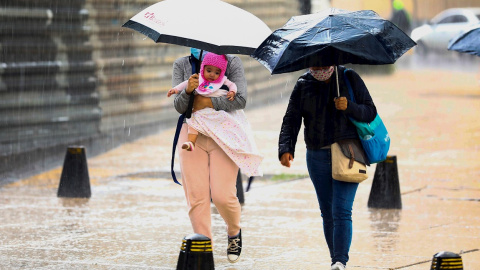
(420, 10)
(70, 74)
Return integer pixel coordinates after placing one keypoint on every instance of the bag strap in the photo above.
(352, 156)
(350, 90)
(175, 141)
(195, 67)
(181, 118)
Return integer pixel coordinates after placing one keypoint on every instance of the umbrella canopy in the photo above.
(333, 37)
(467, 42)
(211, 25)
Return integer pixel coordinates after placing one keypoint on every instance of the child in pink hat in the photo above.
(230, 130)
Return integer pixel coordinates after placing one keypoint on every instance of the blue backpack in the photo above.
(373, 136)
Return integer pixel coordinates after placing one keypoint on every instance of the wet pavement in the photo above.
(136, 217)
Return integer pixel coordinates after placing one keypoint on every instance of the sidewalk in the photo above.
(137, 217)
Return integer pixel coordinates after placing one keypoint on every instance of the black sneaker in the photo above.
(234, 248)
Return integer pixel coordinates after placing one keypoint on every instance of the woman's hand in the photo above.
(200, 102)
(285, 159)
(341, 103)
(192, 83)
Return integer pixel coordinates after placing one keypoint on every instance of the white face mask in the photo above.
(322, 74)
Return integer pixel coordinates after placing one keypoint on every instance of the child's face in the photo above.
(211, 73)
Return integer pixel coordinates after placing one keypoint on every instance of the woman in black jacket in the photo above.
(314, 99)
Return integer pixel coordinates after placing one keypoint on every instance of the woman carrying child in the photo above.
(224, 143)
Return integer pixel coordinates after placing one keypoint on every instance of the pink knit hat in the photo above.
(219, 61)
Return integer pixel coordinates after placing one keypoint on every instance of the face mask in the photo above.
(322, 74)
(196, 53)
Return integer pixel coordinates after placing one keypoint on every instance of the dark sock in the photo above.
(235, 236)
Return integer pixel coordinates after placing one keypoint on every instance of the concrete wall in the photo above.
(70, 74)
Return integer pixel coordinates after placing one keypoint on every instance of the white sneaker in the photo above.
(338, 266)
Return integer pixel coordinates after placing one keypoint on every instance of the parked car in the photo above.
(435, 35)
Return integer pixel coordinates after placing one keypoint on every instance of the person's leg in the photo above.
(320, 170)
(223, 179)
(223, 185)
(192, 139)
(336, 200)
(343, 197)
(196, 184)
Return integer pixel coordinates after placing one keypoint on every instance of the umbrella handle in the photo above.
(338, 87)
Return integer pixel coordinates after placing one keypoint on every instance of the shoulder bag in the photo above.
(373, 136)
(349, 161)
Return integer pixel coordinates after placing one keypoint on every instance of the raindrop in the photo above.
(286, 84)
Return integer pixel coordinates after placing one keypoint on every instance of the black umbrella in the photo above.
(332, 37)
(467, 42)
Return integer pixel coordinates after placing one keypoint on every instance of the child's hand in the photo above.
(231, 95)
(172, 91)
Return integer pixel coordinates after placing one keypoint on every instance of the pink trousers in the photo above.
(207, 172)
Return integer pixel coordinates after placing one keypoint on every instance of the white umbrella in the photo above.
(211, 25)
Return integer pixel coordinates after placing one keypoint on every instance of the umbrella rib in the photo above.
(363, 30)
(159, 37)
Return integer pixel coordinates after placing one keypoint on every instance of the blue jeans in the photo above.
(336, 200)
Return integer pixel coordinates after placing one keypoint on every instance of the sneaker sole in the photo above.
(238, 258)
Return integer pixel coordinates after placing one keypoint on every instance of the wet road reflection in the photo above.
(385, 224)
(137, 216)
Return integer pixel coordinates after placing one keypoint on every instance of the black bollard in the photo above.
(75, 182)
(446, 260)
(196, 253)
(385, 192)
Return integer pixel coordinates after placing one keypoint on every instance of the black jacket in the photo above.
(313, 101)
